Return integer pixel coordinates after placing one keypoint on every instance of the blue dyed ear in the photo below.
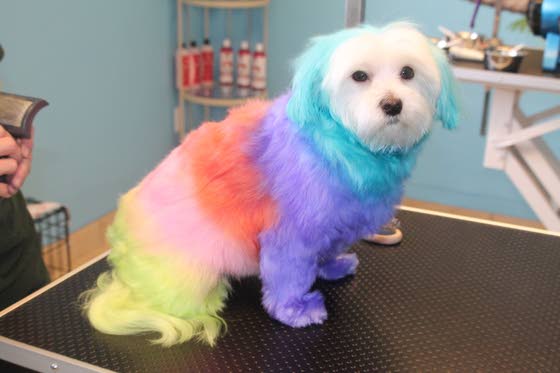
(308, 100)
(307, 97)
(447, 108)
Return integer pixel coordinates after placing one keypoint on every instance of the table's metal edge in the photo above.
(478, 220)
(52, 284)
(42, 360)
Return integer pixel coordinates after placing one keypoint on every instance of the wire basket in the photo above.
(52, 224)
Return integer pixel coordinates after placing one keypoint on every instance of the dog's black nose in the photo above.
(391, 106)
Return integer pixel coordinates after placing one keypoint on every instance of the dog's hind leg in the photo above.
(288, 270)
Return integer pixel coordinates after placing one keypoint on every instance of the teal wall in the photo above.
(107, 69)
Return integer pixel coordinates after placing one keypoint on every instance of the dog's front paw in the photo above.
(342, 266)
(297, 313)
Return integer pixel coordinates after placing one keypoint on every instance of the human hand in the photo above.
(15, 162)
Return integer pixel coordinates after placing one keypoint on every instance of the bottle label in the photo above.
(226, 67)
(196, 68)
(186, 81)
(244, 69)
(258, 80)
(207, 67)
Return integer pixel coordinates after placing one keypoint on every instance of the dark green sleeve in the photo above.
(22, 269)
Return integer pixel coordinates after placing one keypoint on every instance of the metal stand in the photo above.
(354, 12)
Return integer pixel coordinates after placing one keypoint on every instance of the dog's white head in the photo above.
(386, 85)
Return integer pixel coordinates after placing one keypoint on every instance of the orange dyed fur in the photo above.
(229, 188)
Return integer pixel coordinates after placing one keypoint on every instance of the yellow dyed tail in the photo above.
(112, 308)
(153, 293)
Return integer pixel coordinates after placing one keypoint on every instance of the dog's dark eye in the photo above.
(360, 76)
(407, 73)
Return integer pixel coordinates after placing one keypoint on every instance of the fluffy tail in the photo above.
(151, 293)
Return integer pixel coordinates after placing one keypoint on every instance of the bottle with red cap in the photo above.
(182, 67)
(194, 66)
(258, 70)
(207, 62)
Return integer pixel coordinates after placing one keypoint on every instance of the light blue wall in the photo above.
(106, 68)
(450, 169)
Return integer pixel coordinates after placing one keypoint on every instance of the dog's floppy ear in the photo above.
(447, 110)
(308, 100)
(307, 96)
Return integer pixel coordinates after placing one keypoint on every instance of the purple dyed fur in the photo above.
(339, 267)
(319, 217)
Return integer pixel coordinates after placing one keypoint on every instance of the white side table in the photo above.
(513, 141)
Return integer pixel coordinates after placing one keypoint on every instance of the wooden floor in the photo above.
(89, 242)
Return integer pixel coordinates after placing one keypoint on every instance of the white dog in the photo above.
(280, 189)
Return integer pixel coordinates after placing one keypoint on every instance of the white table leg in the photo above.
(531, 190)
(529, 164)
(499, 125)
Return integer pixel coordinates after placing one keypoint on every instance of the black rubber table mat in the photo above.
(453, 296)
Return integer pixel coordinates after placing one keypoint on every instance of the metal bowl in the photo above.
(503, 59)
(471, 39)
(442, 44)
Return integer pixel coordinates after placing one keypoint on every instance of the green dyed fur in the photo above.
(147, 293)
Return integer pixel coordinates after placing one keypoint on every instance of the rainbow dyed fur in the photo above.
(277, 189)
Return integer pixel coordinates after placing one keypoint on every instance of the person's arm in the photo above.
(15, 162)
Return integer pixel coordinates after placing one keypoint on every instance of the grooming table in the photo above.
(455, 295)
